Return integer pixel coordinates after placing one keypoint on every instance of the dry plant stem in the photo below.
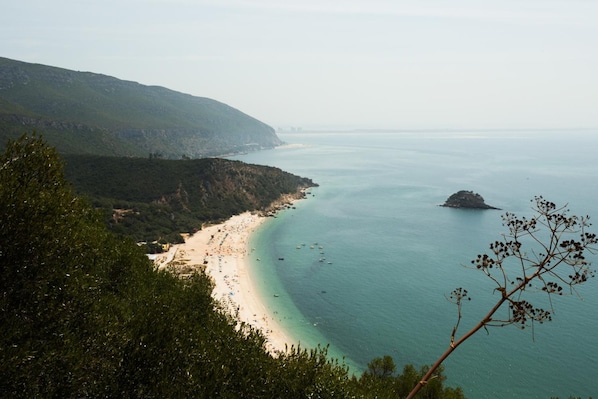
(558, 253)
(454, 344)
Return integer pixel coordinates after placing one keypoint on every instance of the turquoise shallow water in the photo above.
(394, 254)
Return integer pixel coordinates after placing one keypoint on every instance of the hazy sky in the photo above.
(353, 63)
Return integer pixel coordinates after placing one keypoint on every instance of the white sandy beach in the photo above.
(223, 249)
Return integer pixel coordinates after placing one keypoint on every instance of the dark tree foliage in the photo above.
(380, 381)
(83, 313)
(382, 367)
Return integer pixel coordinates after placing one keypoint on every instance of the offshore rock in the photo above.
(467, 199)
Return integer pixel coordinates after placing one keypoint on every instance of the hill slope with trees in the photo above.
(156, 199)
(89, 113)
(83, 313)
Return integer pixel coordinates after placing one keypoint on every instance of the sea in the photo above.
(366, 263)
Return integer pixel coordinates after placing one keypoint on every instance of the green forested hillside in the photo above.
(89, 113)
(83, 313)
(153, 199)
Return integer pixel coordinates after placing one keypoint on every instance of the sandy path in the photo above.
(223, 249)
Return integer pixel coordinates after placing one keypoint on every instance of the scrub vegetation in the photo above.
(83, 312)
(156, 199)
(90, 113)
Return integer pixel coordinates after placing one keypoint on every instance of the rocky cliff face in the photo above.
(467, 199)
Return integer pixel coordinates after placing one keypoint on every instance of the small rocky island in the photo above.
(467, 199)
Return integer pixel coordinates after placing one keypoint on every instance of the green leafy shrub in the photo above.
(83, 313)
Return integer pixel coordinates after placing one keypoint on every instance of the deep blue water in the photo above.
(395, 255)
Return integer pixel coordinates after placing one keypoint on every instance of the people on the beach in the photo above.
(222, 250)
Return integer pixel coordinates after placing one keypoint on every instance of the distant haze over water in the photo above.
(390, 255)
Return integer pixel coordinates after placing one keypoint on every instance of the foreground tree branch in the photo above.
(556, 269)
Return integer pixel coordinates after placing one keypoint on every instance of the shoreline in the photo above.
(223, 251)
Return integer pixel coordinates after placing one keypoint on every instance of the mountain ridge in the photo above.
(92, 113)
